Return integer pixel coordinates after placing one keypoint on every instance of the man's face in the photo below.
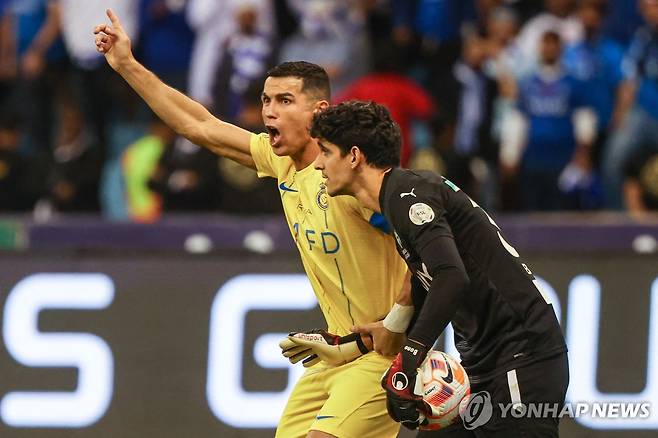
(550, 51)
(287, 114)
(337, 169)
(246, 19)
(591, 19)
(475, 52)
(502, 29)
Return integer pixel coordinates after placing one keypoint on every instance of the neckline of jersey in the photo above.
(308, 170)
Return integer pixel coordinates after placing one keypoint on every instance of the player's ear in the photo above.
(355, 156)
(320, 105)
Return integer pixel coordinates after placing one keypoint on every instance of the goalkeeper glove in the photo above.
(404, 394)
(319, 345)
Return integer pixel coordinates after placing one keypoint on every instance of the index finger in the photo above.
(113, 18)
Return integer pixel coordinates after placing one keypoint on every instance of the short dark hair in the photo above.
(367, 125)
(314, 78)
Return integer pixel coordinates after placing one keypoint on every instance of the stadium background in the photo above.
(144, 282)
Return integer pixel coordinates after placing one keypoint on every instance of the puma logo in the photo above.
(411, 193)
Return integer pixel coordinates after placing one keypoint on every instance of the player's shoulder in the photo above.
(259, 139)
(260, 145)
(417, 201)
(410, 191)
(413, 184)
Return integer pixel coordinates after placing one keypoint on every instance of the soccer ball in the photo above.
(444, 385)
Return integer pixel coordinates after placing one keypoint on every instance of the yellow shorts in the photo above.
(346, 401)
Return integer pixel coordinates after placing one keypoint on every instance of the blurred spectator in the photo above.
(99, 92)
(248, 54)
(220, 56)
(504, 52)
(439, 25)
(405, 99)
(547, 141)
(186, 178)
(559, 17)
(73, 181)
(331, 34)
(622, 20)
(596, 62)
(242, 191)
(636, 115)
(213, 22)
(139, 163)
(36, 67)
(641, 182)
(476, 153)
(503, 66)
(15, 187)
(484, 10)
(437, 22)
(166, 40)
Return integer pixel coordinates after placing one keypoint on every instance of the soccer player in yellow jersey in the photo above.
(353, 267)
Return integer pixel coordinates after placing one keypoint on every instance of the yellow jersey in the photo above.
(352, 265)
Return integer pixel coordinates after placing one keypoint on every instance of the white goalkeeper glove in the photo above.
(319, 345)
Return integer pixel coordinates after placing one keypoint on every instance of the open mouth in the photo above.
(274, 134)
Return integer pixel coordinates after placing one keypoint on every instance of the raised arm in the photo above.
(185, 116)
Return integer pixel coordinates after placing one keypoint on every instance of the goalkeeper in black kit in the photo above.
(464, 272)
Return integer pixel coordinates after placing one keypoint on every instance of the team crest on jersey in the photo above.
(322, 198)
(421, 213)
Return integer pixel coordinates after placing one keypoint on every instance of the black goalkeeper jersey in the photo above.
(465, 272)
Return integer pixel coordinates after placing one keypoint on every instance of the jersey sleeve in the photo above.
(420, 217)
(267, 162)
(427, 230)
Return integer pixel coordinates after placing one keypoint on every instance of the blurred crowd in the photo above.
(528, 105)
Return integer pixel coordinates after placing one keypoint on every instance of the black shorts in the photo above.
(525, 403)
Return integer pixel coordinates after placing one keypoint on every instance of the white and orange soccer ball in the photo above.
(444, 385)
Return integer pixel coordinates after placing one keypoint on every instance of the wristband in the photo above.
(398, 318)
